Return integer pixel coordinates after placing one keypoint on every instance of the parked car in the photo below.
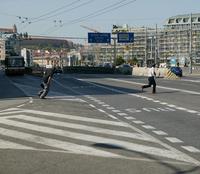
(58, 71)
(177, 70)
(125, 69)
(107, 65)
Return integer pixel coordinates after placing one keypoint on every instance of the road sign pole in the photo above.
(115, 51)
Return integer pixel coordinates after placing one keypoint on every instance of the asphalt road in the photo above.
(92, 124)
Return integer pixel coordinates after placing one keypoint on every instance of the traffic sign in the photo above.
(125, 37)
(99, 37)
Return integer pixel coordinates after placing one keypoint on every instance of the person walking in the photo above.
(151, 79)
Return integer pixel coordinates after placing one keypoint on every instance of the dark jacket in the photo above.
(48, 73)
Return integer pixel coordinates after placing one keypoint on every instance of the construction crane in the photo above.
(91, 29)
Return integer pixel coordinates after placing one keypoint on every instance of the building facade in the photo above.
(2, 49)
(28, 57)
(179, 38)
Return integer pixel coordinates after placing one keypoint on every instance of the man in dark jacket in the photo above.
(48, 76)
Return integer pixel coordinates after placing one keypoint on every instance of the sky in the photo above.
(65, 18)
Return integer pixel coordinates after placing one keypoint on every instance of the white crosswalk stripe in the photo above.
(56, 131)
(83, 127)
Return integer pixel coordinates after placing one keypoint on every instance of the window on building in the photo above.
(171, 21)
(194, 19)
(178, 20)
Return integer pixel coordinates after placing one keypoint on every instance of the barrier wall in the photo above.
(143, 71)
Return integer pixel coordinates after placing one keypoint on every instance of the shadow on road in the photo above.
(176, 169)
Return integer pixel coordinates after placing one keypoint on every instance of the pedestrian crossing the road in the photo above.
(38, 130)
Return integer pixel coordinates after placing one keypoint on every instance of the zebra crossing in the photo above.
(27, 129)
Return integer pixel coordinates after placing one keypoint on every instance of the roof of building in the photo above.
(183, 19)
(9, 30)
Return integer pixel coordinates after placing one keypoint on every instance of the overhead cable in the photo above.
(65, 11)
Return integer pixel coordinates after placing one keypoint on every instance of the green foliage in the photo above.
(133, 61)
(119, 60)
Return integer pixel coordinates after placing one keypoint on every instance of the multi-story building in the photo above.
(5, 43)
(179, 38)
(2, 49)
(144, 47)
(7, 47)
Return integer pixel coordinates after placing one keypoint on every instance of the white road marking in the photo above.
(110, 108)
(4, 144)
(90, 138)
(164, 103)
(21, 105)
(147, 98)
(122, 114)
(162, 87)
(170, 109)
(192, 111)
(130, 118)
(173, 140)
(154, 109)
(138, 122)
(92, 106)
(189, 80)
(146, 109)
(9, 109)
(101, 103)
(160, 132)
(133, 110)
(181, 108)
(101, 110)
(148, 127)
(105, 105)
(55, 143)
(191, 149)
(10, 112)
(94, 99)
(168, 152)
(72, 117)
(162, 109)
(116, 111)
(112, 116)
(70, 99)
(36, 120)
(156, 101)
(172, 106)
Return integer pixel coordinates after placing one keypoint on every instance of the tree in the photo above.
(133, 61)
(119, 60)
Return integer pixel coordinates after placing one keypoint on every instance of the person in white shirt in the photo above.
(151, 79)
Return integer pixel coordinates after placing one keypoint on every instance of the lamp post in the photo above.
(190, 48)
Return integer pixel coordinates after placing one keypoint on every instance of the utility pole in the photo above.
(156, 45)
(190, 48)
(145, 58)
